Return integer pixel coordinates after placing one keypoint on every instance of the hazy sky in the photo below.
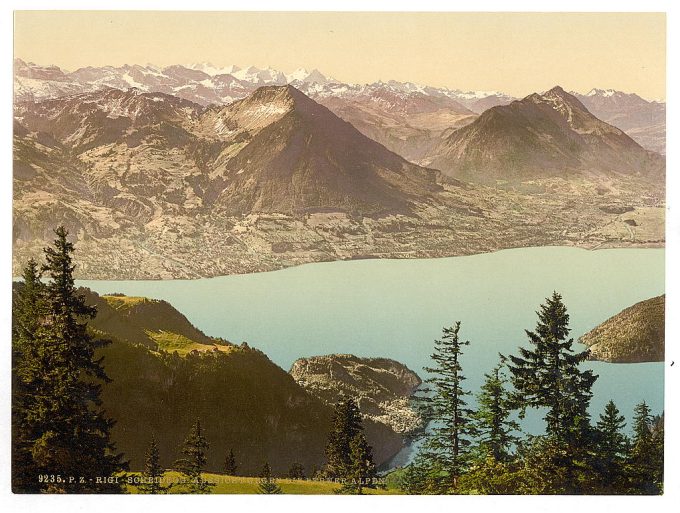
(517, 53)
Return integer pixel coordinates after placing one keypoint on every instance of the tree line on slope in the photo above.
(350, 461)
(483, 451)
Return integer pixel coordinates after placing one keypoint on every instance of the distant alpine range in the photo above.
(194, 171)
(413, 108)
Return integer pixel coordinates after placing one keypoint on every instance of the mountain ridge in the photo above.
(159, 187)
(245, 401)
(206, 84)
(541, 135)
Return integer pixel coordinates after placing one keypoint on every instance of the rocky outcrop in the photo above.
(381, 387)
(634, 335)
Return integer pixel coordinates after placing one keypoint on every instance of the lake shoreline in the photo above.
(599, 247)
(396, 308)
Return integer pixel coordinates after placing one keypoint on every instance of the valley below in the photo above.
(465, 220)
(155, 186)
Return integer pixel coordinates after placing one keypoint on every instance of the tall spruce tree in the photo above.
(28, 311)
(267, 484)
(611, 449)
(194, 461)
(70, 433)
(446, 448)
(492, 418)
(642, 422)
(416, 477)
(230, 465)
(361, 472)
(346, 424)
(645, 461)
(152, 477)
(548, 375)
(296, 471)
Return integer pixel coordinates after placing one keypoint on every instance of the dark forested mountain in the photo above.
(543, 135)
(636, 334)
(166, 374)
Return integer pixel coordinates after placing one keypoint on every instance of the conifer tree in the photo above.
(611, 448)
(645, 461)
(194, 461)
(415, 478)
(492, 418)
(27, 312)
(230, 465)
(70, 432)
(362, 469)
(296, 471)
(153, 472)
(267, 485)
(548, 375)
(447, 447)
(642, 422)
(346, 424)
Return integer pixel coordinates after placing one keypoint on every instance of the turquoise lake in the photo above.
(396, 308)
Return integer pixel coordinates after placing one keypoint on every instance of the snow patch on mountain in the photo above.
(212, 70)
(301, 75)
(476, 95)
(602, 92)
(267, 76)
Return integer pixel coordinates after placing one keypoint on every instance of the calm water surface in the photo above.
(396, 308)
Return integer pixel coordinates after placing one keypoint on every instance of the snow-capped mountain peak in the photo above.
(299, 74)
(212, 70)
(198, 82)
(601, 92)
(266, 76)
(302, 75)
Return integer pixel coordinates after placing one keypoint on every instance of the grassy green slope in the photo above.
(166, 374)
(249, 485)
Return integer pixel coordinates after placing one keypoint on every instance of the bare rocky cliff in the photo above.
(380, 386)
